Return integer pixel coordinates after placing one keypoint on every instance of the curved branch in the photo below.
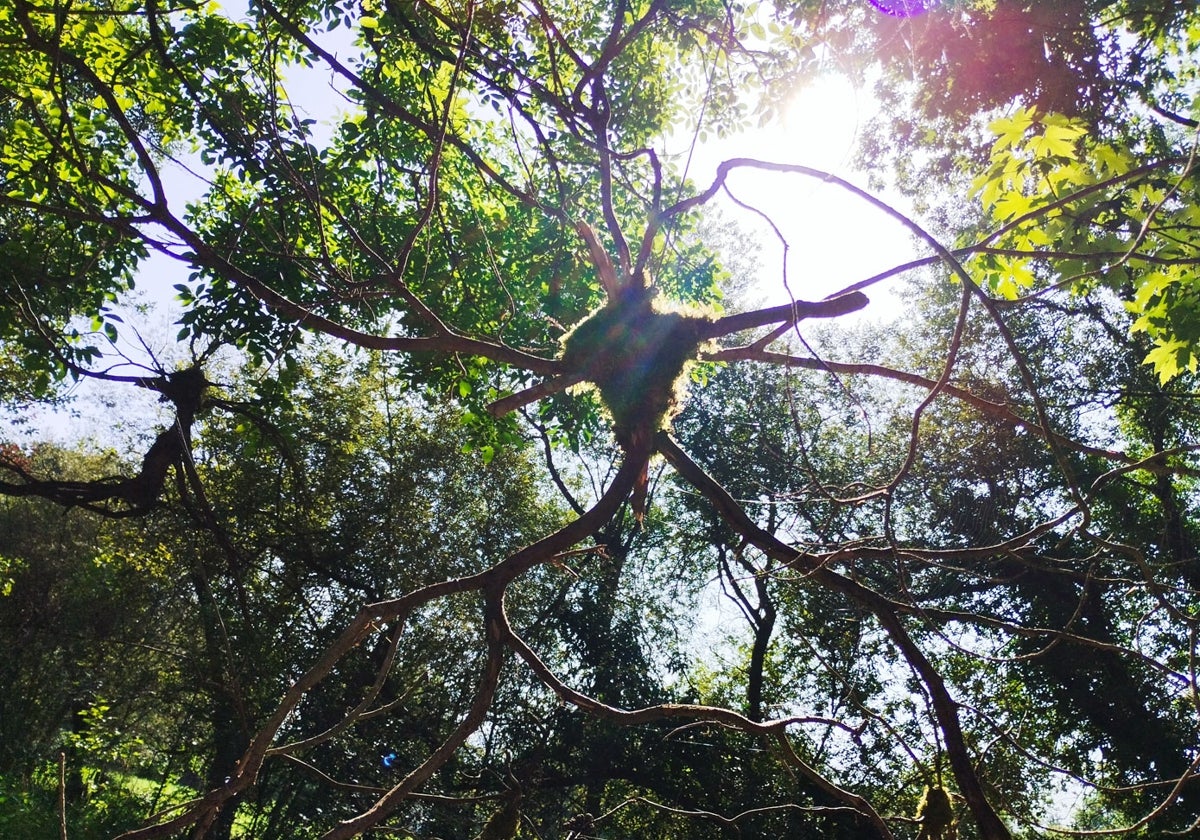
(393, 109)
(368, 619)
(365, 622)
(726, 822)
(673, 711)
(997, 411)
(474, 718)
(140, 492)
(360, 712)
(130, 134)
(208, 255)
(945, 708)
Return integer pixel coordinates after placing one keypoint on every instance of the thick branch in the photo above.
(787, 313)
(604, 267)
(137, 493)
(512, 402)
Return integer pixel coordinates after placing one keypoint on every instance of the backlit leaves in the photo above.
(1076, 211)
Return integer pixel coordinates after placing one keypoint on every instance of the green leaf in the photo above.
(1171, 358)
(1150, 286)
(1057, 140)
(1010, 131)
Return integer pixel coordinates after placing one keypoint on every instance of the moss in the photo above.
(636, 356)
(935, 812)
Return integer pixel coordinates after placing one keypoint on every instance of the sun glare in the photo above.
(833, 239)
(821, 123)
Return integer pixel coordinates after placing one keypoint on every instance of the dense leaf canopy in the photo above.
(472, 443)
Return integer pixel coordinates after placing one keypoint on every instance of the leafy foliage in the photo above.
(389, 565)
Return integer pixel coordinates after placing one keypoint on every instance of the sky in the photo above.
(834, 238)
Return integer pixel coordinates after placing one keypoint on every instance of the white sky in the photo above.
(834, 238)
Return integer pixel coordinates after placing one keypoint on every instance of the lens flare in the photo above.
(903, 8)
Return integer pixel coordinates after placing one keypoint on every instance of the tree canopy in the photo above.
(465, 422)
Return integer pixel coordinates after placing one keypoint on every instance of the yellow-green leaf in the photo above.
(1170, 359)
(1010, 130)
(1056, 141)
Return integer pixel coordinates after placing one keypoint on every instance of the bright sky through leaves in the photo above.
(441, 522)
(833, 238)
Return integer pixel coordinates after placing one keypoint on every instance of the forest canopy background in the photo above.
(469, 405)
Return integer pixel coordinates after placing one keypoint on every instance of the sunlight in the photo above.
(833, 238)
(822, 121)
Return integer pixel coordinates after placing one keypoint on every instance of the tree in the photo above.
(88, 674)
(184, 632)
(487, 207)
